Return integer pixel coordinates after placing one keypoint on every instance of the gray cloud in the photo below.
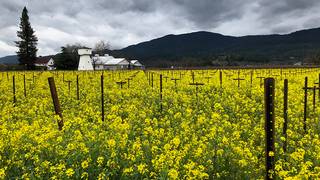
(288, 15)
(126, 22)
(283, 7)
(210, 13)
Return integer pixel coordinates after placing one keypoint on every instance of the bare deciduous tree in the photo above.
(101, 47)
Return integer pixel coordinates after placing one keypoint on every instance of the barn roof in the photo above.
(43, 59)
(117, 61)
(135, 63)
(102, 59)
(109, 60)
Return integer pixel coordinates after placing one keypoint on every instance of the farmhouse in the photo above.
(46, 62)
(108, 62)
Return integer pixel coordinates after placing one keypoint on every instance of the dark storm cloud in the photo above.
(210, 13)
(286, 6)
(288, 15)
(125, 22)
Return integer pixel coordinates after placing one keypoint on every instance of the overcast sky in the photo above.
(127, 22)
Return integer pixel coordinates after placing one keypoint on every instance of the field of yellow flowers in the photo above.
(210, 131)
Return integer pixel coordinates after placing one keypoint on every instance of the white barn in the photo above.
(108, 62)
(99, 61)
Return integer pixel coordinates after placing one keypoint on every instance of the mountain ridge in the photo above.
(9, 60)
(205, 47)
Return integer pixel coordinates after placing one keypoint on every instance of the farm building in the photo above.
(108, 62)
(116, 63)
(46, 62)
(85, 62)
(105, 62)
(135, 64)
(99, 61)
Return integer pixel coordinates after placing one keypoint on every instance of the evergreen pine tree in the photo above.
(27, 43)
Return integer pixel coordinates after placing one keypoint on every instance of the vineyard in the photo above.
(161, 124)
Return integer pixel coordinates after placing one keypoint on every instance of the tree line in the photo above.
(68, 58)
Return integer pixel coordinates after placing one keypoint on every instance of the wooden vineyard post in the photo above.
(161, 92)
(69, 86)
(196, 84)
(102, 99)
(166, 77)
(305, 104)
(175, 81)
(229, 76)
(319, 87)
(182, 75)
(78, 95)
(251, 76)
(24, 86)
(208, 79)
(269, 72)
(239, 79)
(220, 78)
(269, 87)
(192, 74)
(260, 80)
(121, 83)
(56, 102)
(285, 113)
(314, 98)
(152, 80)
(128, 82)
(306, 88)
(14, 90)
